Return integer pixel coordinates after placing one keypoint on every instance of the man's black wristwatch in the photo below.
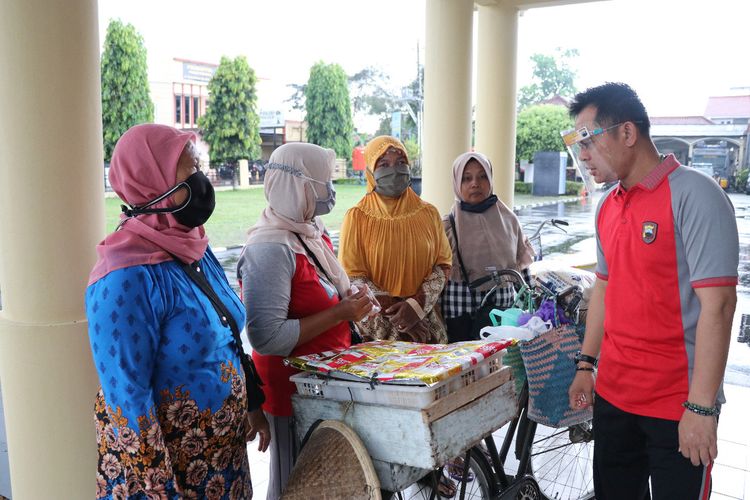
(585, 358)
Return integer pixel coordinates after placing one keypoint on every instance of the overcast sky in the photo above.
(675, 53)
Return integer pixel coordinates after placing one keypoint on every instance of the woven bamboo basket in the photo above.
(333, 464)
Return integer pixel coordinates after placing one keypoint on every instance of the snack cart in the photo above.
(410, 430)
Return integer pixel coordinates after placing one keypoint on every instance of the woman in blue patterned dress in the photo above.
(172, 415)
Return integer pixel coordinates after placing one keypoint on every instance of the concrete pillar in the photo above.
(496, 93)
(740, 156)
(51, 217)
(447, 95)
(244, 173)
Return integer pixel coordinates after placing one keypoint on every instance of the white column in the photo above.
(496, 93)
(51, 217)
(447, 95)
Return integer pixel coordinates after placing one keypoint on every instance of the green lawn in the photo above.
(237, 210)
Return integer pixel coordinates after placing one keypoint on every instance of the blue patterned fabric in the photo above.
(171, 413)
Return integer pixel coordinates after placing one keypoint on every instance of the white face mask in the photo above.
(323, 207)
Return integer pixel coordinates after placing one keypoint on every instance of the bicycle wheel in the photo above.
(483, 485)
(562, 461)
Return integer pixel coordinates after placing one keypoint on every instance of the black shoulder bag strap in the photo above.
(316, 261)
(461, 263)
(255, 396)
(356, 337)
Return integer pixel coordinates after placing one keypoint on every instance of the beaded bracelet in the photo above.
(705, 411)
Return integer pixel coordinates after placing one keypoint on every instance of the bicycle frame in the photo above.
(523, 430)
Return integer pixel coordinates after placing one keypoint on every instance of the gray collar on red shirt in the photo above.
(655, 177)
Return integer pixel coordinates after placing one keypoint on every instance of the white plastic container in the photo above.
(390, 394)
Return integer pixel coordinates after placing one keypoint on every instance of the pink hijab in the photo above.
(144, 165)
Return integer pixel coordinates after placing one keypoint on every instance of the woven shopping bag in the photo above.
(550, 369)
(513, 359)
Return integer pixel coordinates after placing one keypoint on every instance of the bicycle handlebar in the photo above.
(555, 222)
(495, 275)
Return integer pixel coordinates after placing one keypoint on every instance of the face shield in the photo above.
(580, 140)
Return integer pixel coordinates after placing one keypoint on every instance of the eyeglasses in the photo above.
(583, 137)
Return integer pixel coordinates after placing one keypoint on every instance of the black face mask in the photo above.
(200, 204)
(480, 207)
(193, 212)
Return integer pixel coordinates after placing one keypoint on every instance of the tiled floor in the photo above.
(731, 473)
(258, 470)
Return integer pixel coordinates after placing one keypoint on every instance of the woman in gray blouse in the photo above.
(297, 296)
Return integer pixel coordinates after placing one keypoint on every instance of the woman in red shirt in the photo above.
(297, 296)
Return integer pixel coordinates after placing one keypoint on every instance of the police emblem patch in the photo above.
(648, 232)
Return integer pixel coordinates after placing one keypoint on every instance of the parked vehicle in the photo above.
(226, 172)
(716, 161)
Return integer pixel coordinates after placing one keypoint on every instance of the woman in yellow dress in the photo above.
(395, 243)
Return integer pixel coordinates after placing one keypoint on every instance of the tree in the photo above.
(328, 109)
(370, 92)
(297, 99)
(552, 76)
(231, 125)
(538, 129)
(125, 91)
(412, 151)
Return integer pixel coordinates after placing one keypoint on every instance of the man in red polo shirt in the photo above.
(660, 316)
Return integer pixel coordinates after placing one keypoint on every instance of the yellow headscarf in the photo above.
(394, 242)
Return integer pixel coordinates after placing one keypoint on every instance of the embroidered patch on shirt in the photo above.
(648, 232)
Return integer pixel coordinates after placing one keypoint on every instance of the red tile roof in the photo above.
(728, 107)
(557, 100)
